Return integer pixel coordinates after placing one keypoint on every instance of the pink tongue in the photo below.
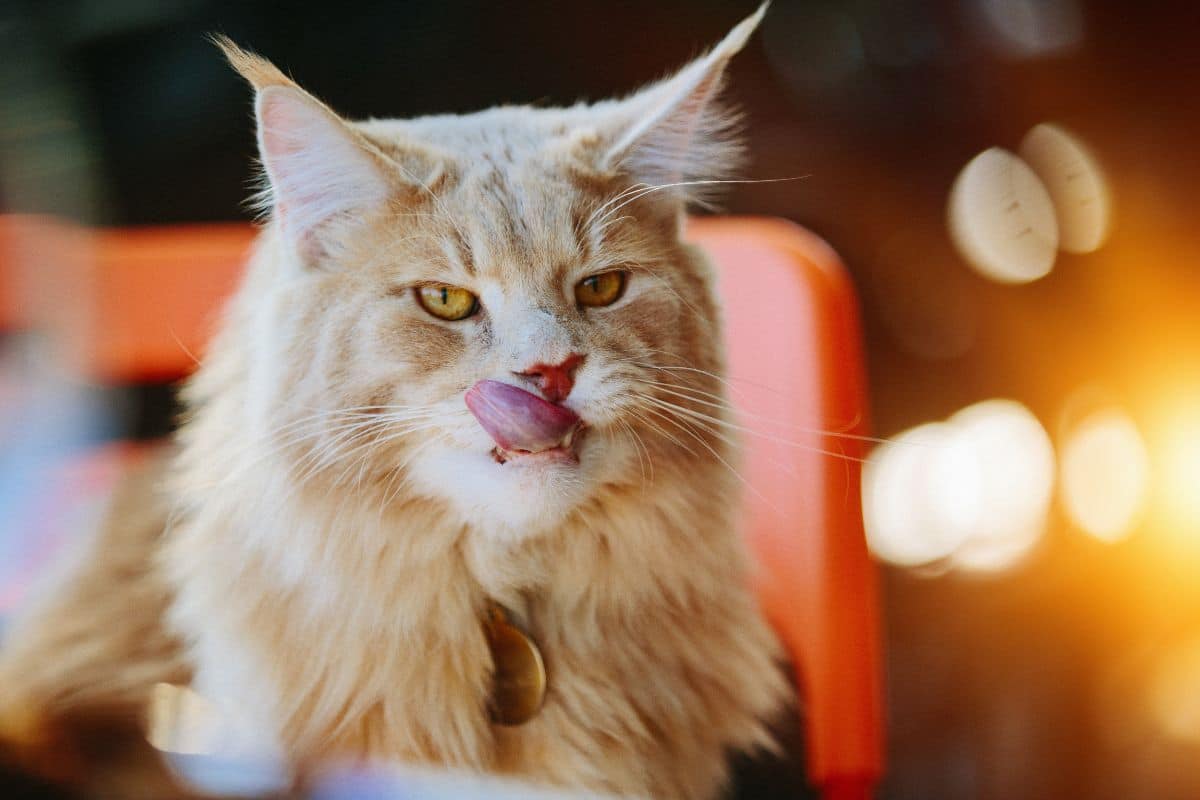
(518, 420)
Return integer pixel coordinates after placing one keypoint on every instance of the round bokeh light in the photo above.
(1076, 185)
(975, 489)
(1002, 219)
(1105, 475)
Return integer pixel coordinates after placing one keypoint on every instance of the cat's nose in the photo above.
(555, 381)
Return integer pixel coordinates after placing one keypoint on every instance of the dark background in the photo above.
(1021, 684)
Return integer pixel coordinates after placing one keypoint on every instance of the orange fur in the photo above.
(339, 526)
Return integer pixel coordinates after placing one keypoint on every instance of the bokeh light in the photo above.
(975, 489)
(1077, 186)
(1002, 219)
(1105, 473)
(901, 523)
(815, 46)
(1032, 28)
(1015, 461)
(1180, 449)
(1174, 692)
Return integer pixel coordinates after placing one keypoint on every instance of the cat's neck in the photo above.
(348, 550)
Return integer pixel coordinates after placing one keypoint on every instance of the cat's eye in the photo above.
(446, 302)
(602, 289)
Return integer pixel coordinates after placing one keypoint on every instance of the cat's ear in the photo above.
(319, 169)
(676, 130)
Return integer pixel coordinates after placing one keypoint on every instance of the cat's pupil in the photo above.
(445, 295)
(593, 283)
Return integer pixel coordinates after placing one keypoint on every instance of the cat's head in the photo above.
(493, 309)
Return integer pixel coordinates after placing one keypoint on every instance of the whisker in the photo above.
(639, 447)
(648, 189)
(671, 389)
(664, 433)
(398, 472)
(696, 415)
(722, 460)
(729, 384)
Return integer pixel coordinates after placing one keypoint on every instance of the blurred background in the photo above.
(1012, 184)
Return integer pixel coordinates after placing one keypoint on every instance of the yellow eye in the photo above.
(600, 290)
(447, 302)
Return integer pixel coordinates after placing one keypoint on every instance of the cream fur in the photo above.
(339, 522)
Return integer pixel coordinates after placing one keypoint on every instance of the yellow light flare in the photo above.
(1105, 475)
(1174, 443)
(1181, 472)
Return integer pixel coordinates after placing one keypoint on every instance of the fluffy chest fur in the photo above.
(657, 662)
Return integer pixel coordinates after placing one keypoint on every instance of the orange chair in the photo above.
(796, 381)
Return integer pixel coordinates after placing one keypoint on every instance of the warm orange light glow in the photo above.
(1174, 440)
(1181, 472)
(1174, 692)
(1105, 474)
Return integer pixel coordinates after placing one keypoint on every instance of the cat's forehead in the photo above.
(517, 195)
(514, 133)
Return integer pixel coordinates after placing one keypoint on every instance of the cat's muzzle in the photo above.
(523, 425)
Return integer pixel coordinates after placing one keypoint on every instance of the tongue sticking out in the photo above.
(518, 420)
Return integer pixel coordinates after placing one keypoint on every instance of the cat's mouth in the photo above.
(565, 451)
(526, 428)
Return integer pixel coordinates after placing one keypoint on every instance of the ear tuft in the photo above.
(676, 131)
(258, 71)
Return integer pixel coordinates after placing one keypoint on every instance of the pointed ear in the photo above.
(675, 130)
(319, 169)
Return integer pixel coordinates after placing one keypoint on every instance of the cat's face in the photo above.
(490, 309)
(368, 342)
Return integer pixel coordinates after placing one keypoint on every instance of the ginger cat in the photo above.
(469, 367)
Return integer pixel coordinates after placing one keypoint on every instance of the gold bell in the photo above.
(519, 680)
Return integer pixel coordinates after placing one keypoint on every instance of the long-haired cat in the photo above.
(464, 372)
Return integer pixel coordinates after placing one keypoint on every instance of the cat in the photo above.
(470, 369)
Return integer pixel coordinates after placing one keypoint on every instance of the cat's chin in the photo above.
(510, 493)
(523, 458)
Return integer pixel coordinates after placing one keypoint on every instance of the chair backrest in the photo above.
(146, 299)
(796, 380)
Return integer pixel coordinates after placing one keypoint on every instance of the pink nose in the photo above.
(554, 380)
